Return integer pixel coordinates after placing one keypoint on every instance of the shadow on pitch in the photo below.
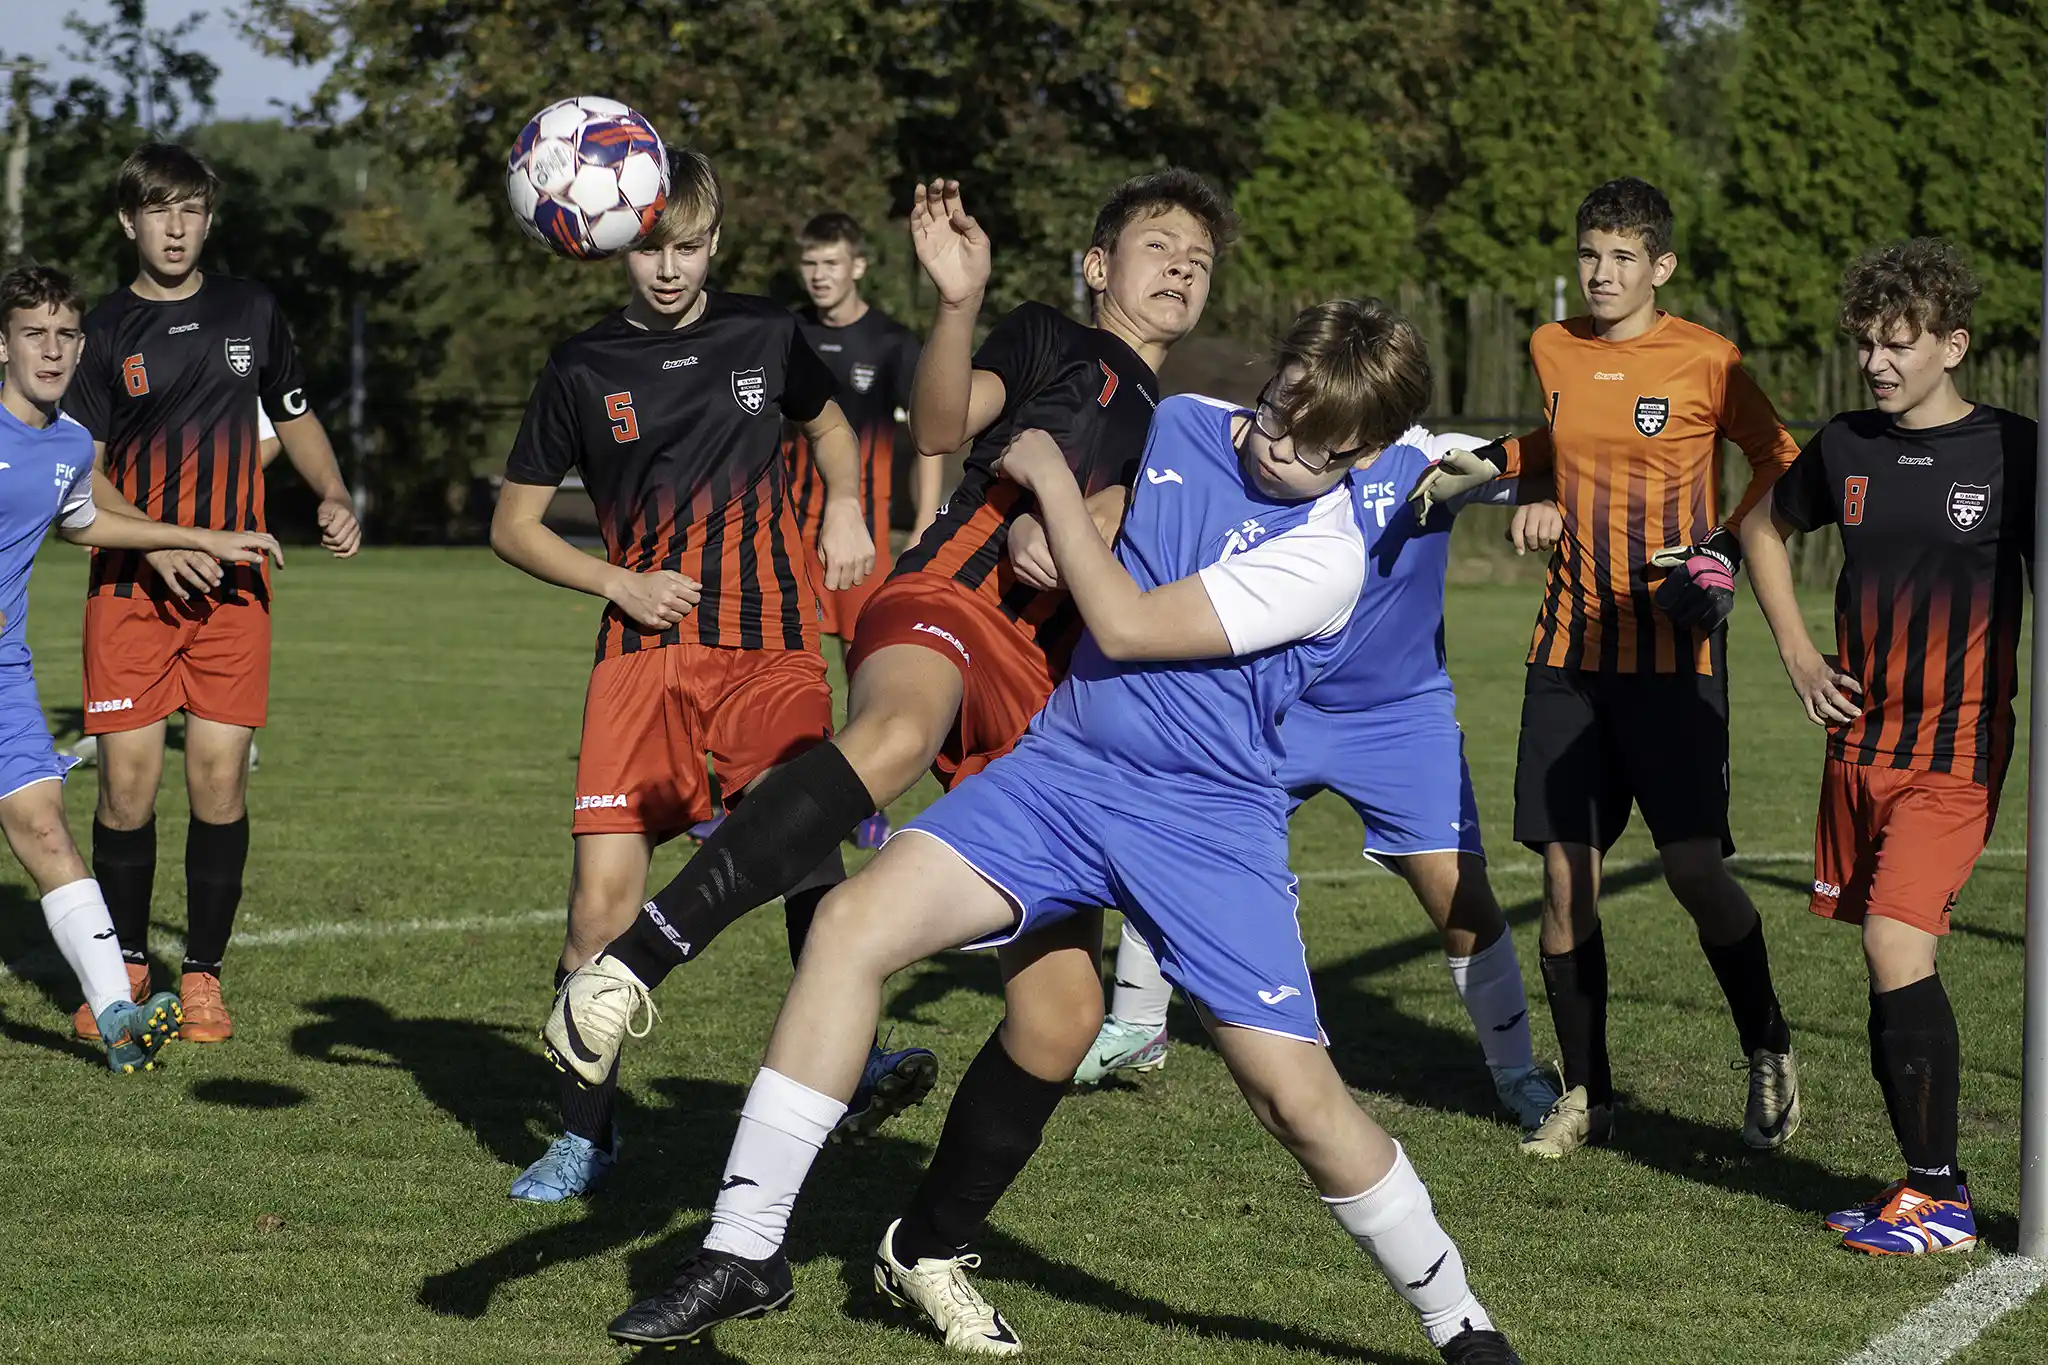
(234, 1092)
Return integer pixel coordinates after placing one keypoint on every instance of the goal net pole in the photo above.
(2034, 1038)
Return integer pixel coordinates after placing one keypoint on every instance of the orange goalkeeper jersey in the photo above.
(1633, 445)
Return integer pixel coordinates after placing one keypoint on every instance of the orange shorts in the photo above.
(842, 607)
(145, 659)
(1896, 843)
(1004, 678)
(651, 718)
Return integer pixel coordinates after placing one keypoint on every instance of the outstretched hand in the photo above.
(950, 245)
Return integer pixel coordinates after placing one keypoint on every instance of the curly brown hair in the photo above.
(1925, 284)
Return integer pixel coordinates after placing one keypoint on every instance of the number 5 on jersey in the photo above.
(618, 409)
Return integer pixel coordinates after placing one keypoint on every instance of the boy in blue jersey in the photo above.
(1240, 561)
(1379, 727)
(46, 476)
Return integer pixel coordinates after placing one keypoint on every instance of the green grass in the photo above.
(331, 1185)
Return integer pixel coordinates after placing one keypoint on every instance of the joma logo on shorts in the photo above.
(614, 801)
(95, 708)
(948, 636)
(1827, 889)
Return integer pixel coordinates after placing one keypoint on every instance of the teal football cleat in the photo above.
(571, 1167)
(1527, 1093)
(135, 1033)
(1122, 1047)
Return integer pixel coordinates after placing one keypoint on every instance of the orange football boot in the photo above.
(206, 1017)
(87, 1027)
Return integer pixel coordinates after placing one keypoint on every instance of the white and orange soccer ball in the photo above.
(586, 177)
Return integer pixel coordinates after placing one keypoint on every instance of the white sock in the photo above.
(782, 1126)
(1395, 1226)
(77, 915)
(1490, 984)
(1142, 993)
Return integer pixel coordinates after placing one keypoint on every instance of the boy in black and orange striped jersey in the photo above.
(961, 647)
(178, 366)
(1626, 701)
(1934, 497)
(874, 358)
(673, 410)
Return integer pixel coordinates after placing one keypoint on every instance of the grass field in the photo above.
(330, 1186)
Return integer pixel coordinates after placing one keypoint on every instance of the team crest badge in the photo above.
(241, 356)
(1652, 414)
(750, 389)
(1967, 504)
(863, 378)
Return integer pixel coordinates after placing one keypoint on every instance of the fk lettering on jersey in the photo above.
(873, 360)
(1633, 444)
(1095, 397)
(172, 390)
(1937, 533)
(683, 464)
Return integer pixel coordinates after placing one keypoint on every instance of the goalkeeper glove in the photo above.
(1459, 471)
(1699, 591)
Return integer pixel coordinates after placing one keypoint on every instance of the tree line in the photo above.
(1432, 151)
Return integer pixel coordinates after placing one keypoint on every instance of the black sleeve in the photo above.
(903, 369)
(89, 399)
(281, 385)
(2021, 439)
(1023, 351)
(807, 386)
(549, 443)
(1804, 496)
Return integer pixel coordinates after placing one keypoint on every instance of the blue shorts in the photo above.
(27, 754)
(1218, 909)
(1401, 766)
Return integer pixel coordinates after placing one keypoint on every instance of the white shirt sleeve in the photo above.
(1499, 493)
(264, 430)
(76, 511)
(1299, 585)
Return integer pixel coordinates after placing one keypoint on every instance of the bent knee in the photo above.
(1296, 1114)
(890, 747)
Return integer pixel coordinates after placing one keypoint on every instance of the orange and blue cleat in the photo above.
(1911, 1224)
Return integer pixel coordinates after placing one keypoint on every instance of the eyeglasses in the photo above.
(1314, 465)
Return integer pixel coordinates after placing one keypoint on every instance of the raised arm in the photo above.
(951, 402)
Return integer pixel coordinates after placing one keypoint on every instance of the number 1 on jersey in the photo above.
(618, 407)
(1854, 488)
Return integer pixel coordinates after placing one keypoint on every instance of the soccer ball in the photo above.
(587, 177)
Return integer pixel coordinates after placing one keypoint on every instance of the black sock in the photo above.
(1576, 983)
(1880, 1072)
(998, 1116)
(770, 843)
(1922, 1055)
(587, 1109)
(124, 862)
(1744, 970)
(800, 906)
(214, 858)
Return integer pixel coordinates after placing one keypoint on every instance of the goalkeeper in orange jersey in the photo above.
(1626, 702)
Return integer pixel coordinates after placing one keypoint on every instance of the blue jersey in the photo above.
(1393, 647)
(1283, 578)
(45, 477)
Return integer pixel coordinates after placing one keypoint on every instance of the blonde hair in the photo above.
(1362, 375)
(696, 202)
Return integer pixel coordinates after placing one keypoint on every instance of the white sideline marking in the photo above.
(45, 964)
(1522, 867)
(1940, 1330)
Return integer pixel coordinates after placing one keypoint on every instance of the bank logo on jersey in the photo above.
(1652, 414)
(241, 356)
(863, 378)
(1967, 504)
(750, 389)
